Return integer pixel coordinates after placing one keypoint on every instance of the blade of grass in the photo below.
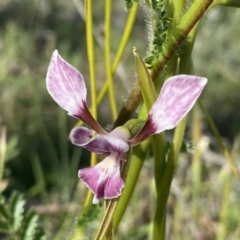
(111, 205)
(196, 160)
(93, 89)
(136, 163)
(218, 137)
(112, 99)
(40, 187)
(224, 213)
(160, 213)
(3, 149)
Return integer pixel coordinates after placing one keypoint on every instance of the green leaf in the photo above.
(3, 210)
(17, 208)
(40, 234)
(4, 227)
(129, 5)
(145, 81)
(29, 226)
(89, 214)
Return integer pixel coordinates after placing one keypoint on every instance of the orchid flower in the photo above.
(67, 87)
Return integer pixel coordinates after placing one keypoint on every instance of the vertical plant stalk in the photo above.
(160, 214)
(163, 188)
(188, 21)
(112, 99)
(218, 137)
(137, 159)
(223, 223)
(3, 149)
(90, 52)
(196, 160)
(111, 205)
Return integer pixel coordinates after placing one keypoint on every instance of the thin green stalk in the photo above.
(112, 99)
(111, 205)
(196, 160)
(222, 229)
(44, 134)
(63, 146)
(90, 52)
(218, 137)
(40, 186)
(138, 156)
(3, 149)
(160, 213)
(178, 8)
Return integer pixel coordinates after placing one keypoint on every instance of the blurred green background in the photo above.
(43, 164)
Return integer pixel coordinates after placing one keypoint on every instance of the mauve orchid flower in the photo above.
(67, 87)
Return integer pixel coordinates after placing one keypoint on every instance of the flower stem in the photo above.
(160, 214)
(111, 205)
(218, 137)
(138, 156)
(108, 6)
(90, 52)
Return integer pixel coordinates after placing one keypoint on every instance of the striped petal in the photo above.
(67, 87)
(101, 144)
(176, 99)
(104, 179)
(80, 136)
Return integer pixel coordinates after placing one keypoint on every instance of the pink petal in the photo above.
(80, 136)
(67, 87)
(176, 99)
(104, 179)
(101, 144)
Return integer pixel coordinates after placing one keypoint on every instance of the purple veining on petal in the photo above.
(104, 179)
(67, 87)
(147, 130)
(101, 144)
(80, 136)
(178, 95)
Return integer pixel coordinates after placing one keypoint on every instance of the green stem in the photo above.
(160, 214)
(188, 21)
(196, 165)
(111, 205)
(90, 52)
(138, 156)
(218, 137)
(108, 6)
(222, 232)
(163, 183)
(3, 149)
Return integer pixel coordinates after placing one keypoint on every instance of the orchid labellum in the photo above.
(67, 87)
